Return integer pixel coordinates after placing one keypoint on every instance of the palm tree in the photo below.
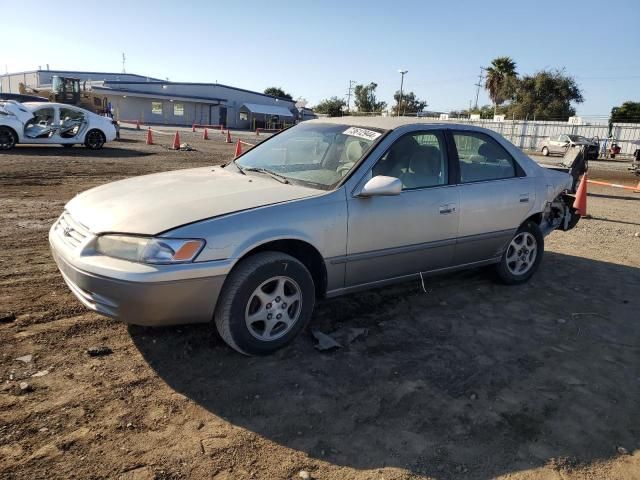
(502, 70)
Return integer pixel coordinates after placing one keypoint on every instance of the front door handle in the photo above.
(524, 198)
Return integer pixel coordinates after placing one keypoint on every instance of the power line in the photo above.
(478, 85)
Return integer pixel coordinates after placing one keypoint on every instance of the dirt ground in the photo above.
(470, 380)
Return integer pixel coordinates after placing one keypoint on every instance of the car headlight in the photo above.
(148, 249)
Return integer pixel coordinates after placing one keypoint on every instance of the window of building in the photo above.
(178, 109)
(417, 159)
(482, 158)
(244, 116)
(156, 108)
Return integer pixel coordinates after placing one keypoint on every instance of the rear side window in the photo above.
(482, 158)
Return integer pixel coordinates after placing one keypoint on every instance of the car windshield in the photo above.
(315, 154)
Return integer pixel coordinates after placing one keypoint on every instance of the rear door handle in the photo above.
(524, 198)
(447, 209)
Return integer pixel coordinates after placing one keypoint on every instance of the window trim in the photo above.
(445, 151)
(519, 171)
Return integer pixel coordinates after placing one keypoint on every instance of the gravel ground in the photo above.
(470, 380)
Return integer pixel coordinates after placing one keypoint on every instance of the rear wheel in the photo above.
(95, 139)
(266, 301)
(523, 255)
(545, 151)
(8, 138)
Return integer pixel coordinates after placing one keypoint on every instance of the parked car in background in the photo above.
(52, 123)
(325, 208)
(558, 145)
(19, 97)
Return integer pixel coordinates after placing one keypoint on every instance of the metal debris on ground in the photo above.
(25, 358)
(7, 317)
(41, 373)
(325, 342)
(99, 351)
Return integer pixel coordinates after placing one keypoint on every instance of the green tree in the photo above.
(278, 92)
(500, 82)
(331, 106)
(546, 95)
(365, 98)
(628, 112)
(410, 103)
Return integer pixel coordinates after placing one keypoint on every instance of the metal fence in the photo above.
(528, 134)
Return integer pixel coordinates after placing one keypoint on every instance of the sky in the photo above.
(312, 49)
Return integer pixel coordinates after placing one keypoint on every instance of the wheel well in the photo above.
(535, 218)
(306, 253)
(15, 134)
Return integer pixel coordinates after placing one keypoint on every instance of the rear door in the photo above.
(495, 196)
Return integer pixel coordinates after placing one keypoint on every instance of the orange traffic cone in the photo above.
(193, 127)
(637, 190)
(257, 132)
(228, 136)
(580, 203)
(205, 135)
(238, 149)
(137, 124)
(176, 141)
(149, 137)
(222, 129)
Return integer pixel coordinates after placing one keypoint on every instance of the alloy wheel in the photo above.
(273, 308)
(522, 253)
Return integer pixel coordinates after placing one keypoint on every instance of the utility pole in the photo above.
(351, 84)
(478, 85)
(402, 74)
(124, 59)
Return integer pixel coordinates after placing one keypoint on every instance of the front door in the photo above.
(42, 127)
(495, 197)
(415, 231)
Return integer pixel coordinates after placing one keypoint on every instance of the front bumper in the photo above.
(150, 300)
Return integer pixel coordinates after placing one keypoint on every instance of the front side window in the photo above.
(418, 159)
(316, 154)
(156, 108)
(482, 158)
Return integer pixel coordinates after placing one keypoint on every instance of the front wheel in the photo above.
(95, 139)
(545, 151)
(523, 255)
(8, 139)
(266, 301)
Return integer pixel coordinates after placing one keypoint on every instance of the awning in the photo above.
(268, 109)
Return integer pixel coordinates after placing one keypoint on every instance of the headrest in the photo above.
(490, 151)
(354, 152)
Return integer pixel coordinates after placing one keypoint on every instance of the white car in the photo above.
(52, 123)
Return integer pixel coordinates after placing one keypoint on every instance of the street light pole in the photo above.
(402, 74)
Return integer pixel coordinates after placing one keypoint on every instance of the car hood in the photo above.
(152, 204)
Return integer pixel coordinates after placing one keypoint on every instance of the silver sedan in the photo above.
(322, 209)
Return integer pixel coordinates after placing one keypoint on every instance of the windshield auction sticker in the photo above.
(361, 133)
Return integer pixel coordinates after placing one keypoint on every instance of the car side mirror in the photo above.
(381, 185)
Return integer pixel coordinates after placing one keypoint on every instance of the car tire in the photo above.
(545, 151)
(8, 138)
(94, 139)
(522, 256)
(266, 301)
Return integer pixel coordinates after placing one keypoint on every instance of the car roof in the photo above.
(390, 123)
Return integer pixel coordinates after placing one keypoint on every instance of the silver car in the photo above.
(559, 144)
(322, 209)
